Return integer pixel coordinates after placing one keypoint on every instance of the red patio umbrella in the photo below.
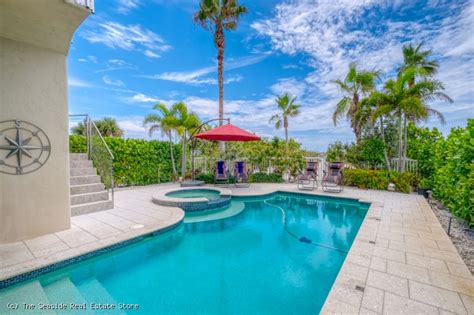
(227, 132)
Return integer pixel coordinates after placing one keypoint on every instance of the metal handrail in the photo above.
(89, 123)
(101, 138)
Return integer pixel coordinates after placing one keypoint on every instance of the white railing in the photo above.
(410, 165)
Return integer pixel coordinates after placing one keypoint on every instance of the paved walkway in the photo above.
(401, 261)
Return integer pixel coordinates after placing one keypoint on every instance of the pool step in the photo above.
(28, 293)
(94, 292)
(88, 193)
(63, 291)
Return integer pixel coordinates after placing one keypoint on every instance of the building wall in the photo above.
(33, 87)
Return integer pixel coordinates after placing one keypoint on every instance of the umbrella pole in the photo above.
(193, 140)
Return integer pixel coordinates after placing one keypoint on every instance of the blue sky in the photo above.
(133, 53)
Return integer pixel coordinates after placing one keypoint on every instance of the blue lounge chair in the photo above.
(240, 174)
(221, 175)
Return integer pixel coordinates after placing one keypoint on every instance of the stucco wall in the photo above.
(33, 87)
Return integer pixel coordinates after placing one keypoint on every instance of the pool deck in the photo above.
(402, 261)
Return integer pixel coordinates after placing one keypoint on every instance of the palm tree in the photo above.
(217, 16)
(355, 85)
(288, 109)
(186, 122)
(165, 121)
(416, 58)
(108, 127)
(408, 100)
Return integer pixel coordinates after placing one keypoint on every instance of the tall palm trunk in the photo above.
(355, 123)
(285, 125)
(405, 143)
(183, 157)
(400, 141)
(173, 164)
(385, 154)
(219, 40)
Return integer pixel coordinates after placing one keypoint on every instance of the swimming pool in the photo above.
(280, 255)
(210, 194)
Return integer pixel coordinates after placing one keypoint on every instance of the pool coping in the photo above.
(380, 273)
(28, 275)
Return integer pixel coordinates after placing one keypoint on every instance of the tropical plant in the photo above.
(415, 57)
(453, 179)
(288, 109)
(108, 127)
(355, 85)
(185, 123)
(408, 102)
(218, 16)
(166, 122)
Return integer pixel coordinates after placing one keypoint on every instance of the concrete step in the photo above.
(80, 163)
(82, 171)
(89, 197)
(87, 188)
(78, 156)
(27, 293)
(87, 179)
(94, 292)
(63, 291)
(91, 207)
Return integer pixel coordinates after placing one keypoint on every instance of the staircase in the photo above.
(88, 193)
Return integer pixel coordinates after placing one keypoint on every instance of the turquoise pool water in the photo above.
(195, 193)
(280, 255)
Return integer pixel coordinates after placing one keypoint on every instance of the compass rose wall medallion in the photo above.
(24, 147)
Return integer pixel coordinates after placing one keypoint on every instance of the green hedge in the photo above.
(265, 178)
(208, 178)
(77, 144)
(453, 179)
(373, 179)
(136, 162)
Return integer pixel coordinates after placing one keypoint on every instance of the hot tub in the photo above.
(193, 199)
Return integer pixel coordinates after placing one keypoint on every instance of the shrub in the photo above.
(77, 144)
(372, 179)
(208, 178)
(136, 162)
(265, 178)
(453, 178)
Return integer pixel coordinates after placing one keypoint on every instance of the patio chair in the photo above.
(221, 176)
(240, 174)
(333, 180)
(308, 180)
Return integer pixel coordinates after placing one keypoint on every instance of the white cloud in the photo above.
(109, 81)
(75, 82)
(151, 54)
(127, 37)
(289, 85)
(92, 59)
(142, 98)
(125, 6)
(334, 33)
(199, 76)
